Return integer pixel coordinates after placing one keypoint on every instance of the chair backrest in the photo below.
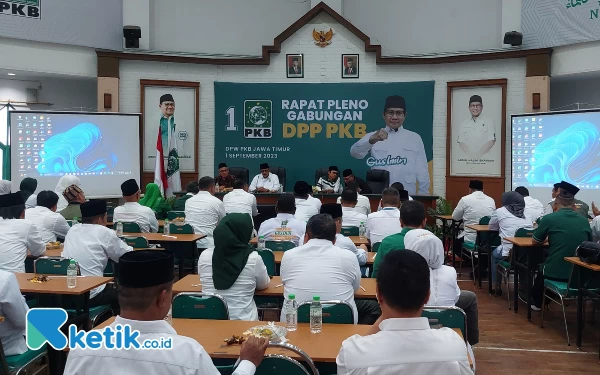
(70, 222)
(136, 242)
(488, 239)
(279, 245)
(181, 229)
(240, 173)
(484, 220)
(321, 172)
(3, 364)
(524, 232)
(375, 247)
(336, 312)
(280, 172)
(275, 364)
(378, 179)
(109, 270)
(175, 214)
(51, 266)
(350, 231)
(269, 260)
(200, 306)
(129, 227)
(447, 316)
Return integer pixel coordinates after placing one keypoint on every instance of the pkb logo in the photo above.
(258, 116)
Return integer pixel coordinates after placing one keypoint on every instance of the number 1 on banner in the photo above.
(230, 112)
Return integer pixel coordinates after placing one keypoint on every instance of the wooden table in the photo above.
(355, 239)
(161, 223)
(480, 229)
(279, 255)
(582, 291)
(191, 283)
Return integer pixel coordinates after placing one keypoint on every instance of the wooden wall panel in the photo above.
(458, 187)
(148, 177)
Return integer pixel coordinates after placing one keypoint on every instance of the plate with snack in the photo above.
(178, 221)
(53, 245)
(38, 279)
(270, 331)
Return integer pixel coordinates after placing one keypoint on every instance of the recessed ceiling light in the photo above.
(11, 74)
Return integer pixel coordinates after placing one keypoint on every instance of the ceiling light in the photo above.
(11, 74)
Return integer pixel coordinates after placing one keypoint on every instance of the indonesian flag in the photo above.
(160, 177)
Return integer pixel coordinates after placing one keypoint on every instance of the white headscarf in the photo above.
(427, 245)
(5, 187)
(63, 183)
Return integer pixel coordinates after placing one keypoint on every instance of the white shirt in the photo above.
(533, 208)
(136, 213)
(352, 218)
(476, 131)
(13, 309)
(316, 201)
(187, 356)
(382, 223)
(318, 268)
(443, 286)
(239, 201)
(305, 209)
(325, 184)
(50, 224)
(16, 237)
(284, 227)
(345, 243)
(548, 209)
(31, 202)
(470, 209)
(91, 245)
(404, 346)
(240, 297)
(270, 183)
(363, 204)
(203, 212)
(595, 226)
(507, 224)
(402, 154)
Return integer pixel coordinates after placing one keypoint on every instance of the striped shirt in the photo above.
(325, 184)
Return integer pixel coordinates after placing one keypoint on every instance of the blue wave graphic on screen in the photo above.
(571, 156)
(80, 149)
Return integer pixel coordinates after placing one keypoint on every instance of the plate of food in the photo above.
(179, 221)
(53, 245)
(270, 331)
(38, 279)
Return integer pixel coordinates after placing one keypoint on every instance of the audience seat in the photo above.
(203, 305)
(378, 179)
(335, 312)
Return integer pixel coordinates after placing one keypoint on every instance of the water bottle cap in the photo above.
(72, 261)
(292, 296)
(261, 237)
(316, 298)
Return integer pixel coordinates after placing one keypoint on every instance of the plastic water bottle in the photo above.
(261, 243)
(291, 313)
(316, 315)
(167, 228)
(362, 230)
(169, 316)
(119, 229)
(74, 221)
(72, 274)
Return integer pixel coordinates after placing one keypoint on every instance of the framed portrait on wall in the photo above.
(170, 109)
(295, 65)
(349, 66)
(476, 118)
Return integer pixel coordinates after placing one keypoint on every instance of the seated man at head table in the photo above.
(352, 217)
(265, 181)
(383, 223)
(319, 268)
(224, 180)
(191, 189)
(145, 293)
(565, 230)
(239, 200)
(285, 226)
(13, 310)
(74, 197)
(470, 209)
(412, 216)
(350, 177)
(92, 244)
(51, 225)
(533, 208)
(305, 209)
(203, 211)
(17, 235)
(332, 183)
(335, 211)
(363, 204)
(579, 206)
(134, 212)
(401, 341)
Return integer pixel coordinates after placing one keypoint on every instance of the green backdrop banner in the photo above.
(306, 126)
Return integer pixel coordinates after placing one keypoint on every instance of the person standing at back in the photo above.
(383, 223)
(134, 212)
(51, 225)
(203, 211)
(533, 208)
(470, 209)
(191, 189)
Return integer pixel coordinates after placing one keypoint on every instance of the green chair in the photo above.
(70, 222)
(34, 360)
(136, 242)
(446, 316)
(203, 305)
(487, 240)
(350, 231)
(279, 245)
(181, 229)
(334, 312)
(175, 214)
(505, 267)
(376, 246)
(109, 270)
(269, 260)
(569, 290)
(128, 227)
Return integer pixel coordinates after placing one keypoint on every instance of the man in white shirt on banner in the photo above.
(305, 209)
(239, 200)
(17, 235)
(385, 222)
(145, 293)
(477, 135)
(51, 224)
(203, 211)
(285, 226)
(352, 218)
(533, 208)
(319, 268)
(265, 181)
(134, 212)
(363, 204)
(92, 244)
(423, 350)
(471, 208)
(332, 183)
(13, 310)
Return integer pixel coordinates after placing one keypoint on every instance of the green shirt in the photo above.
(582, 208)
(71, 211)
(565, 229)
(390, 243)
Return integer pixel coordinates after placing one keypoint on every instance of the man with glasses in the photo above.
(332, 183)
(224, 179)
(396, 149)
(477, 135)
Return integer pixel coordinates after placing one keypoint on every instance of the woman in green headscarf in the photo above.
(153, 199)
(233, 269)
